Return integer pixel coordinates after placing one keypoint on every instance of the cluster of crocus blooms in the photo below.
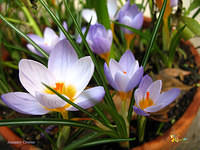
(63, 75)
(48, 42)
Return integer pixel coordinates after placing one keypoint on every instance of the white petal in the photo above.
(23, 103)
(62, 59)
(112, 8)
(87, 14)
(50, 100)
(154, 90)
(32, 74)
(138, 96)
(121, 81)
(114, 67)
(153, 108)
(80, 74)
(50, 37)
(89, 98)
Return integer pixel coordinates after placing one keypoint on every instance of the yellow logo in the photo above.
(176, 139)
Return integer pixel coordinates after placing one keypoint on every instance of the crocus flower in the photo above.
(99, 39)
(66, 74)
(125, 75)
(148, 98)
(130, 16)
(48, 42)
(173, 3)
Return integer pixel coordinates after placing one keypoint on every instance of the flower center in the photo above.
(69, 90)
(147, 102)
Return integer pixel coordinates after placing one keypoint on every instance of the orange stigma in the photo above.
(147, 102)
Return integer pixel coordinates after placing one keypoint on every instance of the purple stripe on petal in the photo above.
(134, 81)
(121, 81)
(127, 60)
(153, 108)
(109, 77)
(145, 83)
(138, 94)
(23, 103)
(168, 97)
(89, 98)
(154, 90)
(140, 111)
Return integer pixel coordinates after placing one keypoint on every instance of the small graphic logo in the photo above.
(176, 139)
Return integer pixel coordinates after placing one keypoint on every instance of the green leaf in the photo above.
(48, 121)
(25, 37)
(173, 45)
(192, 25)
(195, 4)
(63, 136)
(107, 140)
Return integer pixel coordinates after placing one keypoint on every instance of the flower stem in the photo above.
(141, 127)
(31, 20)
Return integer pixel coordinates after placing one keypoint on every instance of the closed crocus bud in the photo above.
(124, 75)
(100, 40)
(130, 16)
(173, 3)
(148, 98)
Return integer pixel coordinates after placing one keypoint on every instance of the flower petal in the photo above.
(173, 3)
(168, 97)
(112, 8)
(109, 77)
(89, 98)
(87, 14)
(127, 60)
(50, 100)
(62, 59)
(23, 103)
(138, 94)
(32, 49)
(134, 81)
(50, 37)
(114, 67)
(154, 90)
(137, 21)
(140, 111)
(122, 81)
(80, 74)
(32, 74)
(145, 83)
(153, 108)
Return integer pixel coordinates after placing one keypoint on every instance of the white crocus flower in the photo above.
(66, 74)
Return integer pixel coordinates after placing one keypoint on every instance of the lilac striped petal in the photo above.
(87, 14)
(134, 81)
(79, 39)
(112, 8)
(114, 67)
(145, 83)
(32, 74)
(50, 100)
(127, 60)
(121, 81)
(153, 108)
(80, 74)
(50, 37)
(140, 111)
(154, 90)
(23, 103)
(88, 98)
(32, 49)
(168, 97)
(137, 21)
(138, 94)
(37, 39)
(62, 59)
(109, 77)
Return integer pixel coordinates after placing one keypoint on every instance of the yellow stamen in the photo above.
(105, 56)
(144, 103)
(69, 91)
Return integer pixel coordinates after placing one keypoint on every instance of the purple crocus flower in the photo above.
(99, 39)
(66, 74)
(125, 75)
(148, 98)
(48, 42)
(130, 16)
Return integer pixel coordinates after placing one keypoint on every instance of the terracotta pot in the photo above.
(181, 126)
(15, 142)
